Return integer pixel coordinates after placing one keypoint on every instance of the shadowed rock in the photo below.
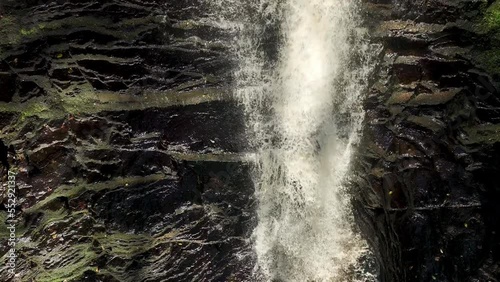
(426, 192)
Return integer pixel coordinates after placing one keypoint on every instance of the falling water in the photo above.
(304, 116)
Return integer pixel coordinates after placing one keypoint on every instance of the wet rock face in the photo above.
(427, 191)
(117, 121)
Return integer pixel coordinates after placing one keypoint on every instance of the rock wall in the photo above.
(117, 120)
(124, 141)
(428, 167)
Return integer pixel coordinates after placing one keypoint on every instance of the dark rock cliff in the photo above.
(429, 163)
(103, 114)
(126, 144)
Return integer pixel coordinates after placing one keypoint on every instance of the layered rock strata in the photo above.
(126, 144)
(428, 166)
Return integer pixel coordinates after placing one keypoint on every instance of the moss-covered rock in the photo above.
(120, 176)
(491, 19)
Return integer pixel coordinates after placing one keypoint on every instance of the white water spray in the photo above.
(304, 115)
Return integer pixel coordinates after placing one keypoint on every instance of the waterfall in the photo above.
(304, 113)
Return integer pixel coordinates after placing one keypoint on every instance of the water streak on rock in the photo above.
(304, 115)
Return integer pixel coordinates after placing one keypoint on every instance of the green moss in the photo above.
(437, 98)
(79, 259)
(218, 157)
(6, 21)
(186, 25)
(14, 33)
(34, 109)
(124, 245)
(8, 31)
(428, 122)
(490, 60)
(33, 31)
(73, 191)
(492, 17)
(93, 102)
(489, 27)
(50, 217)
(28, 32)
(482, 134)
